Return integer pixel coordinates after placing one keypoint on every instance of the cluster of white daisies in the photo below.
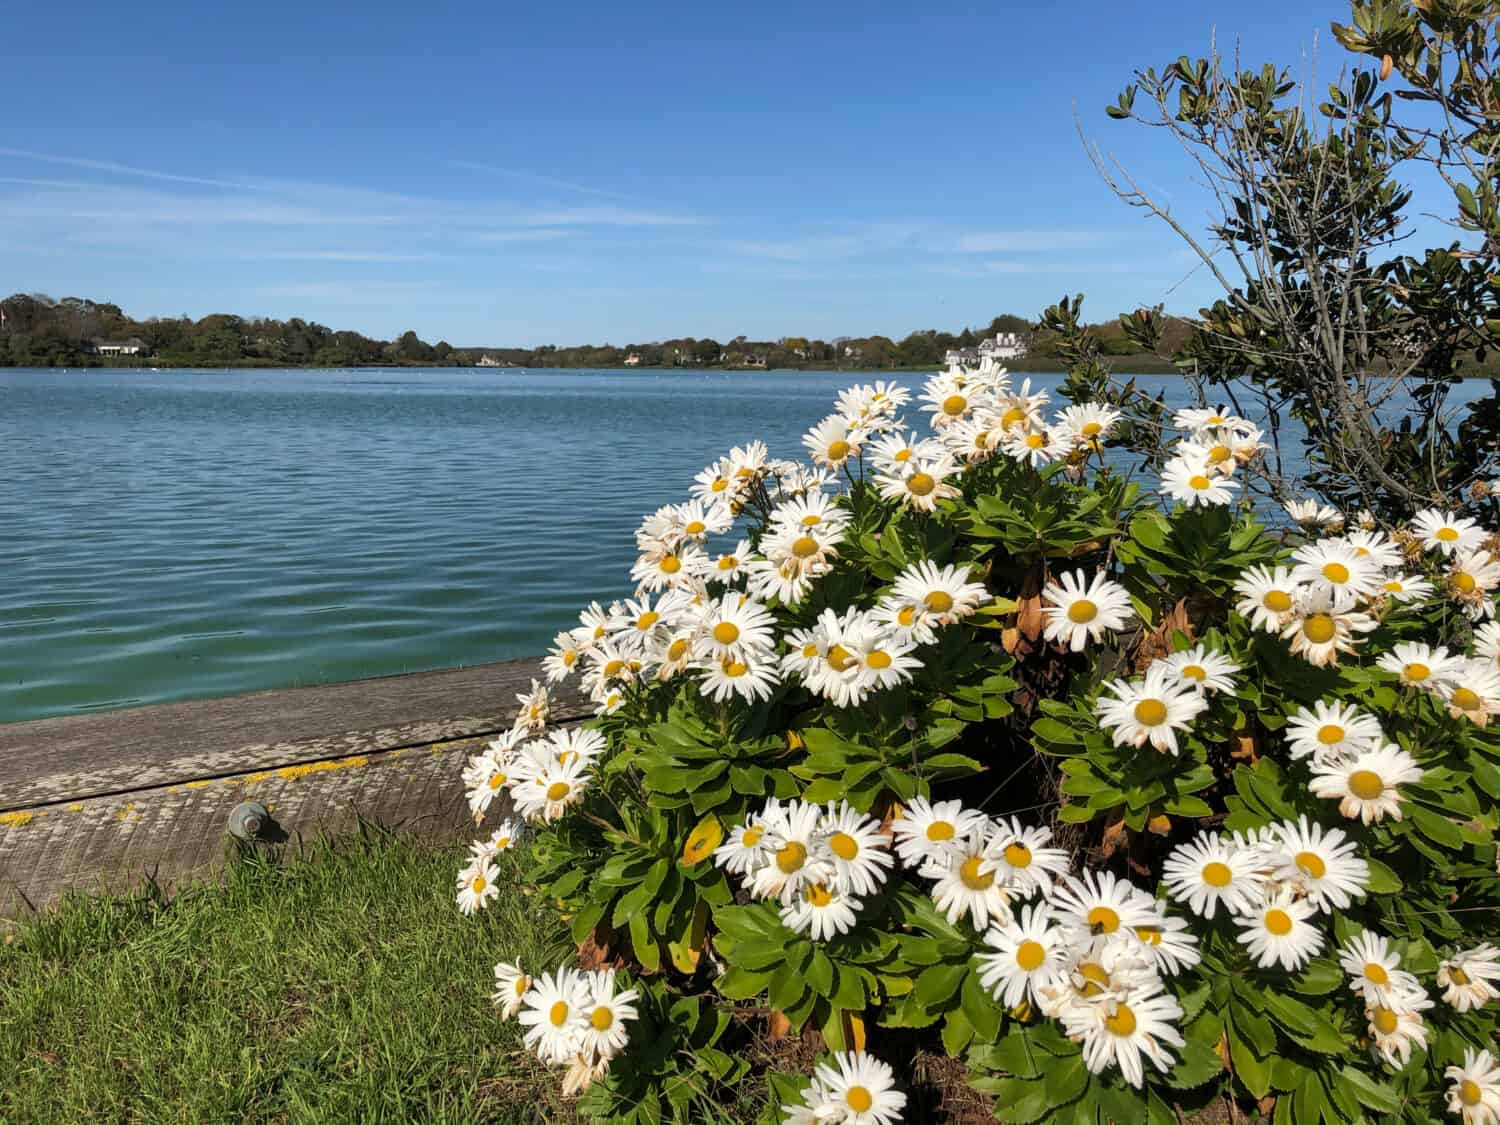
(573, 1018)
(1201, 470)
(856, 1089)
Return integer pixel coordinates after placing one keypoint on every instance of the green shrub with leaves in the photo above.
(960, 740)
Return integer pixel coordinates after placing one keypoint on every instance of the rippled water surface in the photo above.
(179, 534)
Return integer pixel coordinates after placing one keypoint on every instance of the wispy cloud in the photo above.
(120, 169)
(336, 256)
(1027, 241)
(537, 234)
(611, 217)
(545, 181)
(354, 290)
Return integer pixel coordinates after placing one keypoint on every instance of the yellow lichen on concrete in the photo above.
(292, 773)
(75, 807)
(198, 784)
(17, 819)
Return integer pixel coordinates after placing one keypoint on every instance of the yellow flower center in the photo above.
(734, 669)
(938, 601)
(522, 984)
(719, 484)
(791, 858)
(1375, 973)
(972, 877)
(1384, 1021)
(1458, 976)
(1416, 672)
(677, 649)
(751, 837)
(940, 830)
(920, 484)
(568, 658)
(1030, 955)
(726, 632)
(479, 884)
(497, 780)
(955, 404)
(843, 845)
(1092, 429)
(1446, 534)
(1151, 712)
(819, 895)
(838, 450)
(1394, 586)
(809, 651)
(1103, 920)
(602, 1019)
(1278, 922)
(1277, 601)
(1012, 417)
(1366, 784)
(728, 562)
(1122, 1022)
(1336, 572)
(812, 519)
(558, 790)
(1036, 441)
(839, 658)
(1195, 672)
(559, 1013)
(1018, 855)
(1319, 628)
(1329, 733)
(903, 455)
(1469, 1092)
(671, 564)
(501, 843)
(1217, 420)
(1312, 864)
(647, 619)
(1466, 699)
(906, 615)
(860, 1100)
(1198, 482)
(878, 660)
(1082, 611)
(696, 527)
(805, 547)
(1219, 454)
(1217, 874)
(1151, 935)
(1095, 976)
(614, 667)
(1464, 582)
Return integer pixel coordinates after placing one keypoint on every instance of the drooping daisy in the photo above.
(1197, 419)
(1267, 597)
(1320, 863)
(502, 839)
(1097, 904)
(1331, 730)
(1278, 932)
(1196, 484)
(858, 1089)
(1023, 860)
(1421, 665)
(1026, 955)
(860, 852)
(1208, 871)
(554, 1014)
(511, 984)
(476, 886)
(1470, 978)
(1122, 1031)
(1374, 969)
(1335, 564)
(535, 710)
(822, 911)
(606, 1016)
(1324, 624)
(1475, 1091)
(798, 853)
(1153, 710)
(926, 832)
(1078, 610)
(1310, 515)
(1446, 532)
(1396, 1025)
(1203, 670)
(966, 883)
(1366, 785)
(1472, 691)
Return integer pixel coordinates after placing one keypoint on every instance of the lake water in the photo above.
(183, 534)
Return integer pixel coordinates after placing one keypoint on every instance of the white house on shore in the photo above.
(633, 360)
(1004, 346)
(132, 346)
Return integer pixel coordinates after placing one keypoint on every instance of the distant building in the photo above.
(488, 360)
(633, 360)
(1005, 345)
(132, 346)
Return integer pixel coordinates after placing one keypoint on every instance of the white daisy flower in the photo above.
(606, 1016)
(1019, 409)
(1376, 548)
(891, 453)
(1331, 730)
(1320, 863)
(1202, 670)
(1475, 1091)
(1421, 665)
(1311, 515)
(1095, 969)
(1172, 945)
(476, 886)
(511, 984)
(882, 659)
(667, 567)
(729, 568)
(927, 832)
(1023, 861)
(562, 658)
(798, 854)
(858, 1089)
(1278, 932)
(1196, 484)
(752, 675)
(1207, 872)
(502, 839)
(1153, 710)
(1366, 784)
(1374, 969)
(717, 483)
(733, 625)
(822, 911)
(1471, 576)
(1405, 588)
(1470, 978)
(919, 484)
(1335, 564)
(1323, 624)
(576, 743)
(1268, 597)
(1077, 611)
(1487, 642)
(593, 625)
(860, 852)
(965, 883)
(746, 848)
(829, 443)
(926, 597)
(1037, 446)
(546, 791)
(536, 708)
(947, 400)
(1088, 423)
(555, 1014)
(788, 579)
(816, 513)
(1121, 1031)
(1027, 954)
(1396, 1025)
(1472, 691)
(1196, 419)
(487, 777)
(1446, 532)
(1096, 903)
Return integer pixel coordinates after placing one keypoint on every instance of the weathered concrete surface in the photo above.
(101, 802)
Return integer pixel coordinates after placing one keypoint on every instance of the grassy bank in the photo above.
(341, 987)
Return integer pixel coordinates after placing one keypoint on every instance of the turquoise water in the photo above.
(188, 534)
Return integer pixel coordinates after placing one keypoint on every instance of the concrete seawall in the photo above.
(104, 802)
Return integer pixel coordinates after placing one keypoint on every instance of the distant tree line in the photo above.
(38, 331)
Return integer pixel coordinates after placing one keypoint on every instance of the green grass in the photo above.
(343, 986)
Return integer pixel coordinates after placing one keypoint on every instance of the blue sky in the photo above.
(564, 173)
